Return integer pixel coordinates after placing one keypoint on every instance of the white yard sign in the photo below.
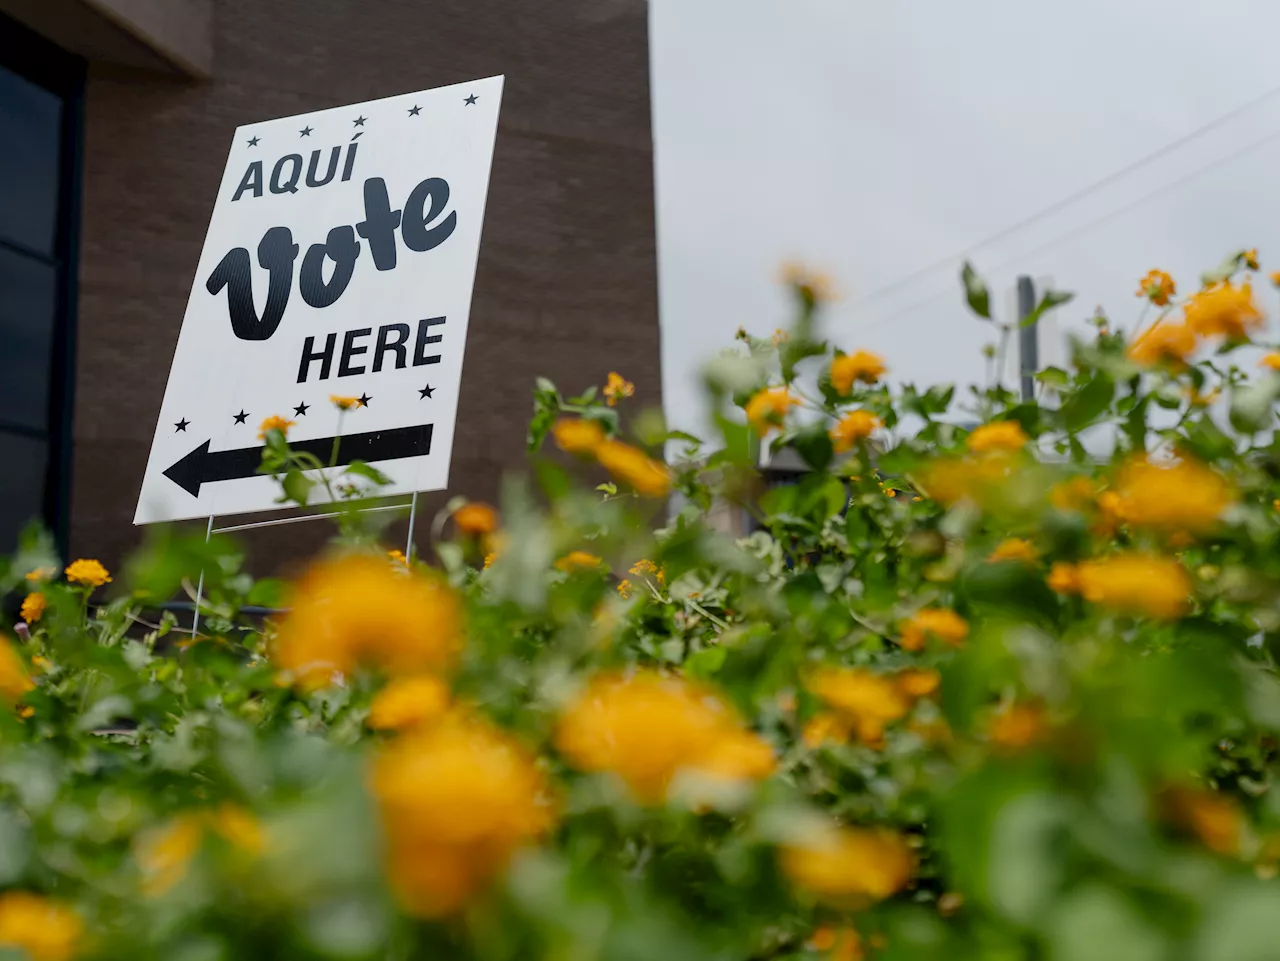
(339, 260)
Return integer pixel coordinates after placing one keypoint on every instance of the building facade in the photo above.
(115, 120)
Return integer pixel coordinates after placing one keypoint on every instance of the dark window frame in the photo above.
(38, 60)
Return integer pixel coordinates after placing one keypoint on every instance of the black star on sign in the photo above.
(426, 392)
(414, 110)
(253, 142)
(182, 424)
(364, 400)
(241, 417)
(359, 121)
(306, 131)
(301, 410)
(470, 101)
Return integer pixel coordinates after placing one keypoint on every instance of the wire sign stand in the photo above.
(210, 530)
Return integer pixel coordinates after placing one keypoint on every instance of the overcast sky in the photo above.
(873, 139)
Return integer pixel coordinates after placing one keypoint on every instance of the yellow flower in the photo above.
(46, 930)
(1197, 399)
(1271, 361)
(43, 663)
(408, 702)
(649, 477)
(1064, 578)
(838, 944)
(32, 608)
(15, 679)
(862, 365)
(1014, 549)
(1216, 819)
(489, 559)
(815, 286)
(855, 426)
(647, 568)
(42, 574)
(397, 558)
(825, 727)
(457, 800)
(780, 337)
(576, 435)
(344, 403)
(940, 622)
(1075, 494)
(239, 828)
(624, 589)
(768, 408)
(617, 388)
(1138, 584)
(977, 479)
(274, 422)
(1180, 495)
(1223, 309)
(164, 854)
(1158, 287)
(918, 682)
(26, 711)
(866, 701)
(475, 518)
(357, 610)
(1250, 258)
(1275, 278)
(1003, 435)
(850, 867)
(579, 561)
(646, 728)
(1017, 726)
(90, 573)
(1163, 343)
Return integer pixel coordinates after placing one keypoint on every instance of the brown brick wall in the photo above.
(567, 284)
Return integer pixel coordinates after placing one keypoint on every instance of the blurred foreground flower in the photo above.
(768, 408)
(1223, 310)
(577, 435)
(357, 610)
(855, 426)
(940, 622)
(15, 679)
(408, 702)
(1214, 818)
(45, 930)
(476, 518)
(647, 728)
(1139, 584)
(1178, 495)
(649, 477)
(1004, 435)
(457, 800)
(864, 703)
(850, 867)
(1164, 343)
(861, 366)
(274, 422)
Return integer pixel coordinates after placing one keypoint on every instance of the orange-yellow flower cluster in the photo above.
(1224, 310)
(649, 477)
(979, 479)
(408, 702)
(768, 408)
(274, 422)
(579, 561)
(940, 622)
(476, 519)
(1216, 819)
(1014, 549)
(1017, 726)
(164, 853)
(88, 573)
(861, 366)
(850, 867)
(1158, 287)
(457, 800)
(647, 728)
(617, 388)
(1144, 585)
(15, 678)
(853, 427)
(45, 930)
(357, 610)
(33, 606)
(1181, 495)
(862, 704)
(1003, 435)
(1164, 343)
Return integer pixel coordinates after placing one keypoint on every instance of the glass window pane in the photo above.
(28, 290)
(21, 486)
(30, 136)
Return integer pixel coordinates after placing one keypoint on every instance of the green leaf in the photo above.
(1050, 300)
(1085, 406)
(297, 487)
(975, 291)
(705, 663)
(361, 469)
(1252, 406)
(1054, 377)
(814, 445)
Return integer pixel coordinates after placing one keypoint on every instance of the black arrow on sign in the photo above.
(203, 466)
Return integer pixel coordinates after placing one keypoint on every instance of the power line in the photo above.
(1085, 228)
(1080, 194)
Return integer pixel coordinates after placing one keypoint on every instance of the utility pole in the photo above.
(1028, 338)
